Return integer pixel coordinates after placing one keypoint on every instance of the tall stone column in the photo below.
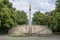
(30, 20)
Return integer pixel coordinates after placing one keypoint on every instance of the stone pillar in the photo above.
(30, 20)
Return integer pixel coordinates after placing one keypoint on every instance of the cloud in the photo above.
(43, 5)
(37, 5)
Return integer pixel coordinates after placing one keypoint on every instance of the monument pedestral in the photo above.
(24, 29)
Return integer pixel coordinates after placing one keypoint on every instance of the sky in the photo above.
(37, 5)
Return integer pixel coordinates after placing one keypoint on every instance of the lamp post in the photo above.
(30, 20)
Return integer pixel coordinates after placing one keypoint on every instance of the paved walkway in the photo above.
(29, 38)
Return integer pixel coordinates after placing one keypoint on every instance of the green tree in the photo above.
(21, 17)
(47, 18)
(6, 16)
(10, 17)
(57, 9)
(38, 18)
(55, 23)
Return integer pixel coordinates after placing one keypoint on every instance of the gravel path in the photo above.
(29, 38)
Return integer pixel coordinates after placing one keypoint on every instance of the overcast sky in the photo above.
(37, 5)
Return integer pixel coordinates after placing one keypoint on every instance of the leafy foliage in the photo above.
(21, 17)
(55, 24)
(9, 17)
(38, 18)
(52, 19)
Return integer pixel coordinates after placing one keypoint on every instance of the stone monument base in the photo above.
(23, 30)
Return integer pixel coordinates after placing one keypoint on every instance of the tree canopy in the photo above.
(52, 19)
(10, 17)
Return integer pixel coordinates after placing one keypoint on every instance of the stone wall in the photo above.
(24, 29)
